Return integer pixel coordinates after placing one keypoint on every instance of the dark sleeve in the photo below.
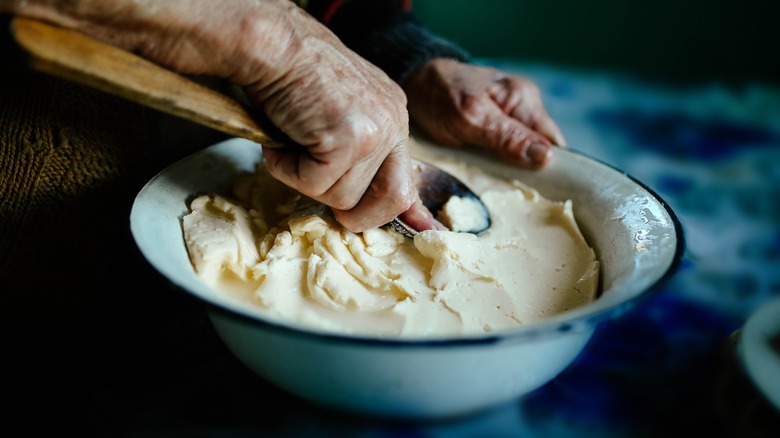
(385, 33)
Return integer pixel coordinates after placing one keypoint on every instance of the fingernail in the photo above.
(432, 221)
(538, 153)
(439, 226)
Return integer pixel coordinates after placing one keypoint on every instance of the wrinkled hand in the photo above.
(348, 119)
(459, 104)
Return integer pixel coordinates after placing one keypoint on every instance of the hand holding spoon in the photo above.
(74, 56)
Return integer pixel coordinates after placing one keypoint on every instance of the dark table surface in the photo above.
(667, 367)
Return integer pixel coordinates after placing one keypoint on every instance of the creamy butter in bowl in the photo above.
(284, 253)
(445, 324)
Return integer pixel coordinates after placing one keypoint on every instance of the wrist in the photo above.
(413, 47)
(398, 43)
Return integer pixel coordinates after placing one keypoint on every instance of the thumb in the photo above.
(420, 218)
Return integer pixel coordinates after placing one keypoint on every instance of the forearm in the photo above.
(195, 37)
(76, 14)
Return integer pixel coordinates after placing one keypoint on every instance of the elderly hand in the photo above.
(348, 118)
(460, 104)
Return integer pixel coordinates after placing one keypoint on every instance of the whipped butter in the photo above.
(285, 254)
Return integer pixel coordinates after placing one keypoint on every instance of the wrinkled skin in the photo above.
(349, 119)
(461, 105)
(348, 116)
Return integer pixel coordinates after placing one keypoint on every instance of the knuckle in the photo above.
(312, 188)
(403, 196)
(403, 199)
(512, 137)
(344, 201)
(533, 93)
(472, 110)
(531, 87)
(365, 143)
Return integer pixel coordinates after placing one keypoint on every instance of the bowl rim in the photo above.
(561, 323)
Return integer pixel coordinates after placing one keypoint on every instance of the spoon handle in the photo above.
(76, 57)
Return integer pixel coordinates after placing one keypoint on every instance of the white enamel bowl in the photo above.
(635, 235)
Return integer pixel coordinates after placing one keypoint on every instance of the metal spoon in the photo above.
(437, 187)
(74, 56)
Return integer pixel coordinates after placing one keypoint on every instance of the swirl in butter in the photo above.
(286, 255)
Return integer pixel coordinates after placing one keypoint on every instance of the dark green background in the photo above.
(685, 40)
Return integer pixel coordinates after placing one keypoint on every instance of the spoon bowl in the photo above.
(437, 189)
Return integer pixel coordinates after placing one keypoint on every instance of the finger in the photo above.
(510, 139)
(523, 101)
(330, 181)
(391, 192)
(420, 218)
(542, 123)
(296, 168)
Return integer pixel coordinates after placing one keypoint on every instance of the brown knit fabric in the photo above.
(71, 159)
(77, 299)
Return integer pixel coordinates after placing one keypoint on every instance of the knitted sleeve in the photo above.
(384, 32)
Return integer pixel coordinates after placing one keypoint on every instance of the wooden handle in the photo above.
(76, 57)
